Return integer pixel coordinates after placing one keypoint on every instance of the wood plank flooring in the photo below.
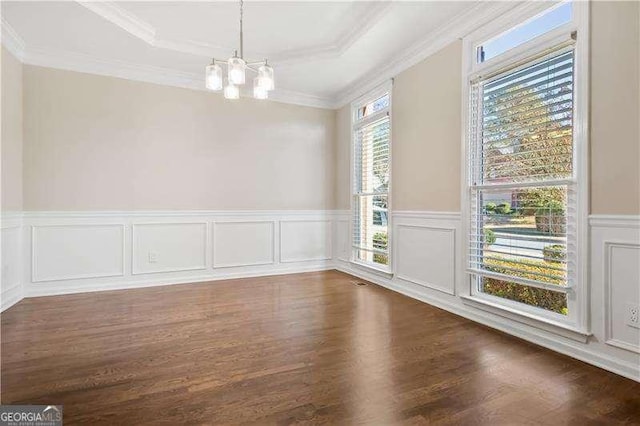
(309, 348)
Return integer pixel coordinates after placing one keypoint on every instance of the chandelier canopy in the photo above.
(237, 67)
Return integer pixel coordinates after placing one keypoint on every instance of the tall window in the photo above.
(522, 177)
(371, 174)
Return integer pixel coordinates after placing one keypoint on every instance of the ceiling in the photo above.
(323, 52)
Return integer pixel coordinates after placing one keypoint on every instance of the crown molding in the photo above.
(452, 30)
(120, 17)
(12, 41)
(337, 48)
(164, 76)
(144, 31)
(123, 19)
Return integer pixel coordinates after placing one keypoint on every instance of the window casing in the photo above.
(524, 194)
(371, 175)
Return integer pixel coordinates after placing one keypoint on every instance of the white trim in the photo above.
(499, 308)
(607, 306)
(188, 279)
(123, 19)
(10, 297)
(375, 93)
(455, 29)
(118, 214)
(538, 336)
(414, 214)
(235, 222)
(448, 229)
(434, 41)
(341, 44)
(135, 267)
(578, 318)
(146, 32)
(309, 259)
(149, 74)
(34, 257)
(12, 41)
(614, 221)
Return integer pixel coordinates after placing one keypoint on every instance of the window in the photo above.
(371, 175)
(539, 25)
(523, 180)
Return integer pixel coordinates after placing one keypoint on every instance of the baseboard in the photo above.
(513, 328)
(34, 291)
(10, 297)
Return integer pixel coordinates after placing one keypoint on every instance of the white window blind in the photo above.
(371, 176)
(522, 188)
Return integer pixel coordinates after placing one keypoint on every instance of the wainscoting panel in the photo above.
(615, 280)
(622, 293)
(66, 252)
(426, 256)
(12, 267)
(305, 240)
(73, 252)
(245, 243)
(169, 247)
(343, 240)
(11, 271)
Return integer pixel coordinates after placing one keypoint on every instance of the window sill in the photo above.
(555, 327)
(382, 272)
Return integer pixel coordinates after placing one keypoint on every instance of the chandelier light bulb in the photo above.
(259, 92)
(213, 77)
(231, 91)
(236, 70)
(265, 77)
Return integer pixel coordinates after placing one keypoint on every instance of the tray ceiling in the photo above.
(323, 52)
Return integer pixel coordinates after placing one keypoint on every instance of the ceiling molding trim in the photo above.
(137, 27)
(454, 29)
(123, 19)
(146, 32)
(337, 48)
(12, 41)
(149, 74)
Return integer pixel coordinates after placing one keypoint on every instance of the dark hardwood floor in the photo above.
(305, 348)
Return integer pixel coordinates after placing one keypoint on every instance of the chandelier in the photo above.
(237, 67)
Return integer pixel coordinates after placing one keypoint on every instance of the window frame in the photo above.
(372, 95)
(578, 319)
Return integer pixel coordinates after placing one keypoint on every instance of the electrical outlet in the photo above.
(633, 315)
(153, 256)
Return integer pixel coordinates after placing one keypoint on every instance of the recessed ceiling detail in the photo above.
(347, 34)
(326, 53)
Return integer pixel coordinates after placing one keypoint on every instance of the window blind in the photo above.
(522, 186)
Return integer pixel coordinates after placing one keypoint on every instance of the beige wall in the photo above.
(427, 133)
(101, 143)
(343, 158)
(11, 132)
(426, 139)
(427, 121)
(615, 108)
